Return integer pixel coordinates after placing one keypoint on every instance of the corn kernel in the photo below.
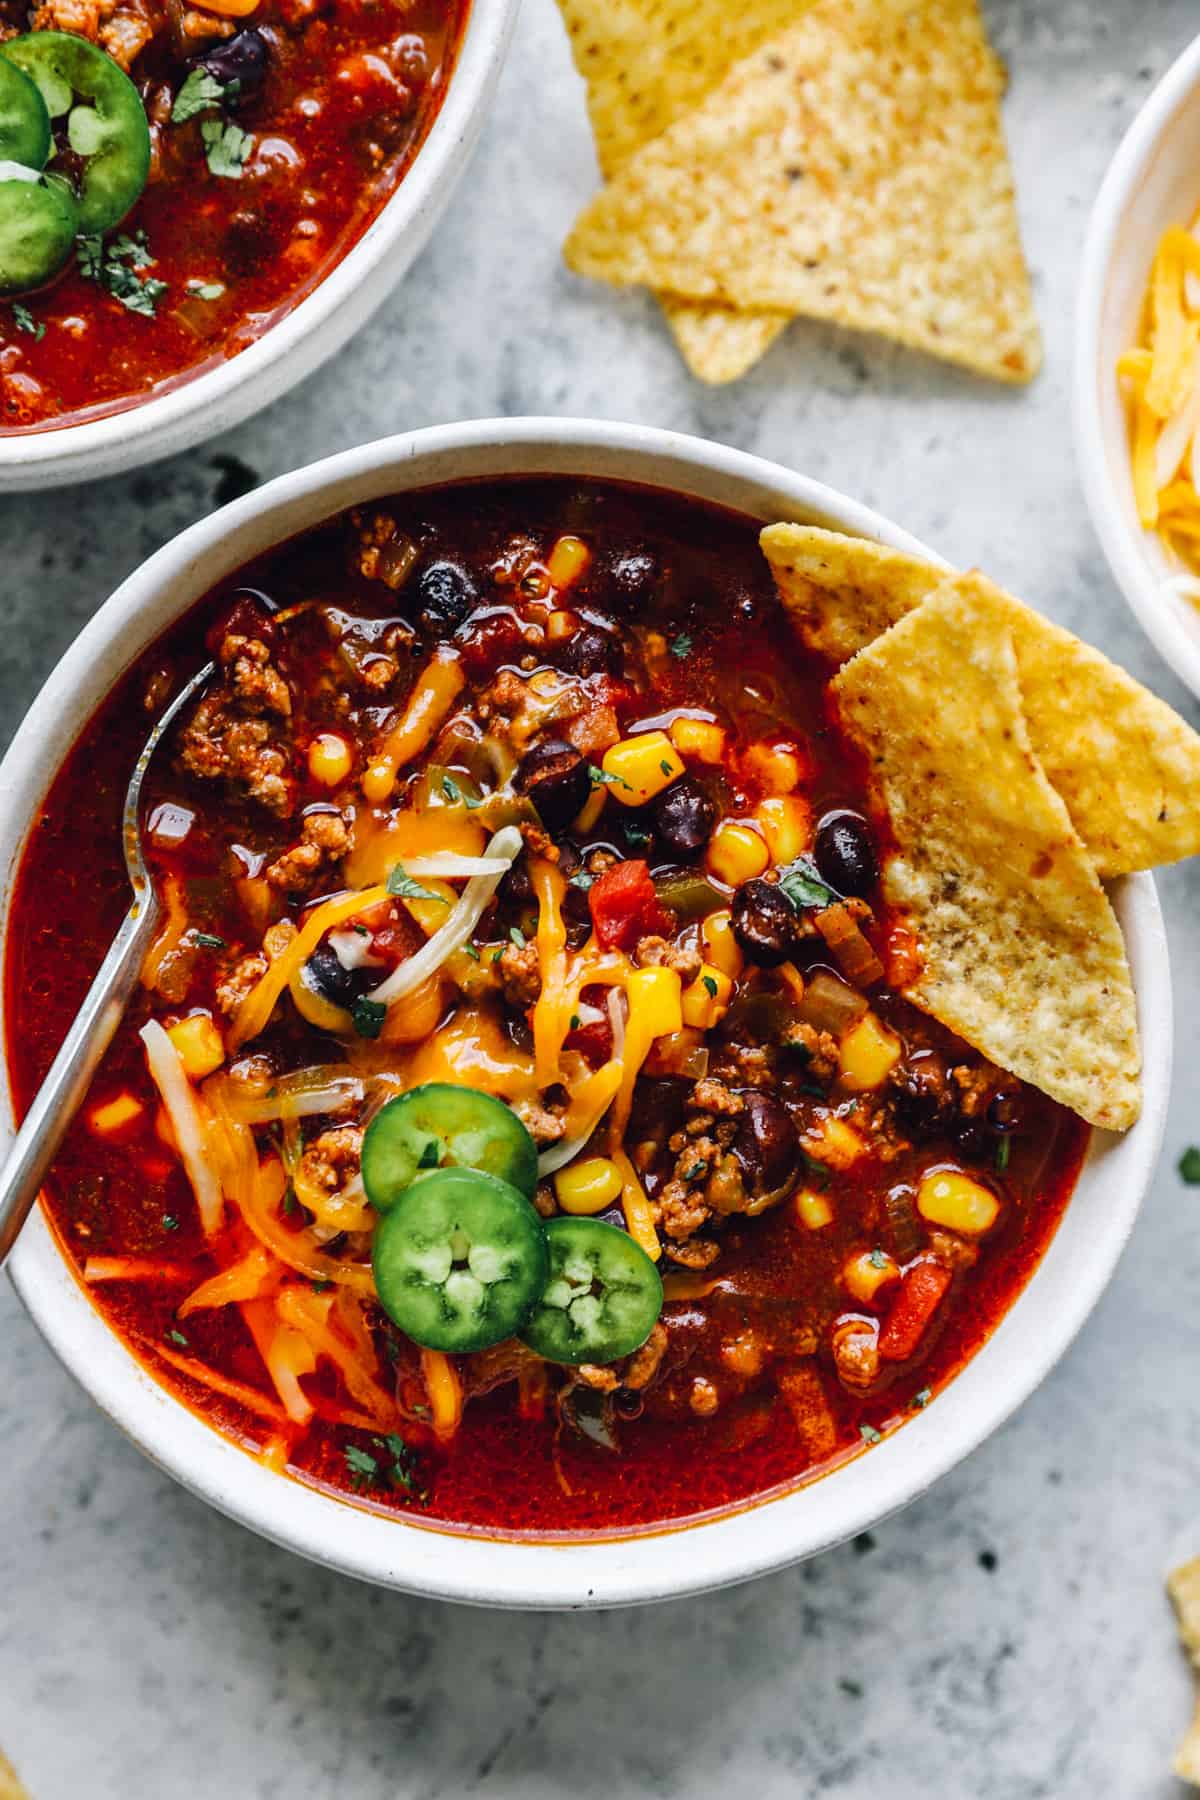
(329, 759)
(720, 945)
(775, 768)
(567, 561)
(813, 1210)
(115, 1115)
(561, 625)
(863, 1275)
(701, 739)
(955, 1201)
(736, 853)
(198, 1044)
(834, 1142)
(706, 1001)
(588, 1186)
(787, 825)
(655, 1004)
(641, 767)
(867, 1054)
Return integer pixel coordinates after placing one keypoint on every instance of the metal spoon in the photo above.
(58, 1098)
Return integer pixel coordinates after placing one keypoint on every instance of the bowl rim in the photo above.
(1108, 507)
(310, 331)
(506, 1572)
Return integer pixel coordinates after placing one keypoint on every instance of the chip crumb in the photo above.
(1183, 1585)
(11, 1787)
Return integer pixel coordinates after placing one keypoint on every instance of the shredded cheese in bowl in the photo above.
(1160, 377)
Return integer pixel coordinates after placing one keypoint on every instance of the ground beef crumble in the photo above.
(325, 838)
(240, 730)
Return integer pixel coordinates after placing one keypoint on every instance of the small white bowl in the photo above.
(472, 1567)
(310, 332)
(1153, 181)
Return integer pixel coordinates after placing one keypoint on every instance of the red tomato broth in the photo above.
(336, 125)
(501, 1472)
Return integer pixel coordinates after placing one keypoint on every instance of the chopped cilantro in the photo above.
(321, 1287)
(817, 1172)
(456, 796)
(363, 1467)
(682, 645)
(170, 1222)
(869, 1435)
(921, 1399)
(407, 889)
(226, 147)
(878, 1259)
(635, 837)
(496, 955)
(1004, 1151)
(471, 950)
(575, 1021)
(599, 778)
(288, 1205)
(199, 92)
(801, 884)
(208, 940)
(25, 321)
(368, 1016)
(402, 1472)
(697, 1171)
(430, 1156)
(668, 768)
(114, 266)
(177, 1337)
(582, 880)
(709, 982)
(1189, 1165)
(206, 290)
(517, 936)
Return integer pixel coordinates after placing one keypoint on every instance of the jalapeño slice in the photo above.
(437, 1126)
(603, 1297)
(38, 222)
(459, 1261)
(106, 121)
(24, 121)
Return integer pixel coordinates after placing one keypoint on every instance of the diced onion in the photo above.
(503, 851)
(831, 1004)
(179, 1099)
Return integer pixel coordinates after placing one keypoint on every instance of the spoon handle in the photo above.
(57, 1099)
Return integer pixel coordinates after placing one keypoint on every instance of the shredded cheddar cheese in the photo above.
(1160, 377)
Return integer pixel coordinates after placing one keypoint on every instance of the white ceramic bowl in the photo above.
(1152, 182)
(311, 332)
(419, 1558)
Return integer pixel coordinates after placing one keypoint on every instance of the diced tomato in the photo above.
(594, 1041)
(625, 906)
(919, 1297)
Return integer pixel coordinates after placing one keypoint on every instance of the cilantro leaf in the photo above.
(1004, 1151)
(709, 982)
(801, 884)
(226, 147)
(456, 796)
(878, 1259)
(598, 778)
(206, 290)
(921, 1399)
(89, 254)
(869, 1435)
(199, 92)
(208, 940)
(177, 1337)
(368, 1017)
(170, 1222)
(25, 321)
(363, 1467)
(682, 645)
(1189, 1165)
(582, 880)
(407, 889)
(112, 266)
(518, 937)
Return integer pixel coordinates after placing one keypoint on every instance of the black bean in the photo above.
(684, 817)
(1005, 1109)
(845, 853)
(766, 1143)
(628, 1403)
(764, 923)
(922, 1101)
(445, 595)
(590, 651)
(969, 1135)
(633, 582)
(242, 58)
(555, 777)
(340, 986)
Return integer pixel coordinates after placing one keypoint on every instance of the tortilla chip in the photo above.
(1023, 956)
(1183, 1585)
(852, 169)
(1127, 767)
(646, 63)
(10, 1786)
